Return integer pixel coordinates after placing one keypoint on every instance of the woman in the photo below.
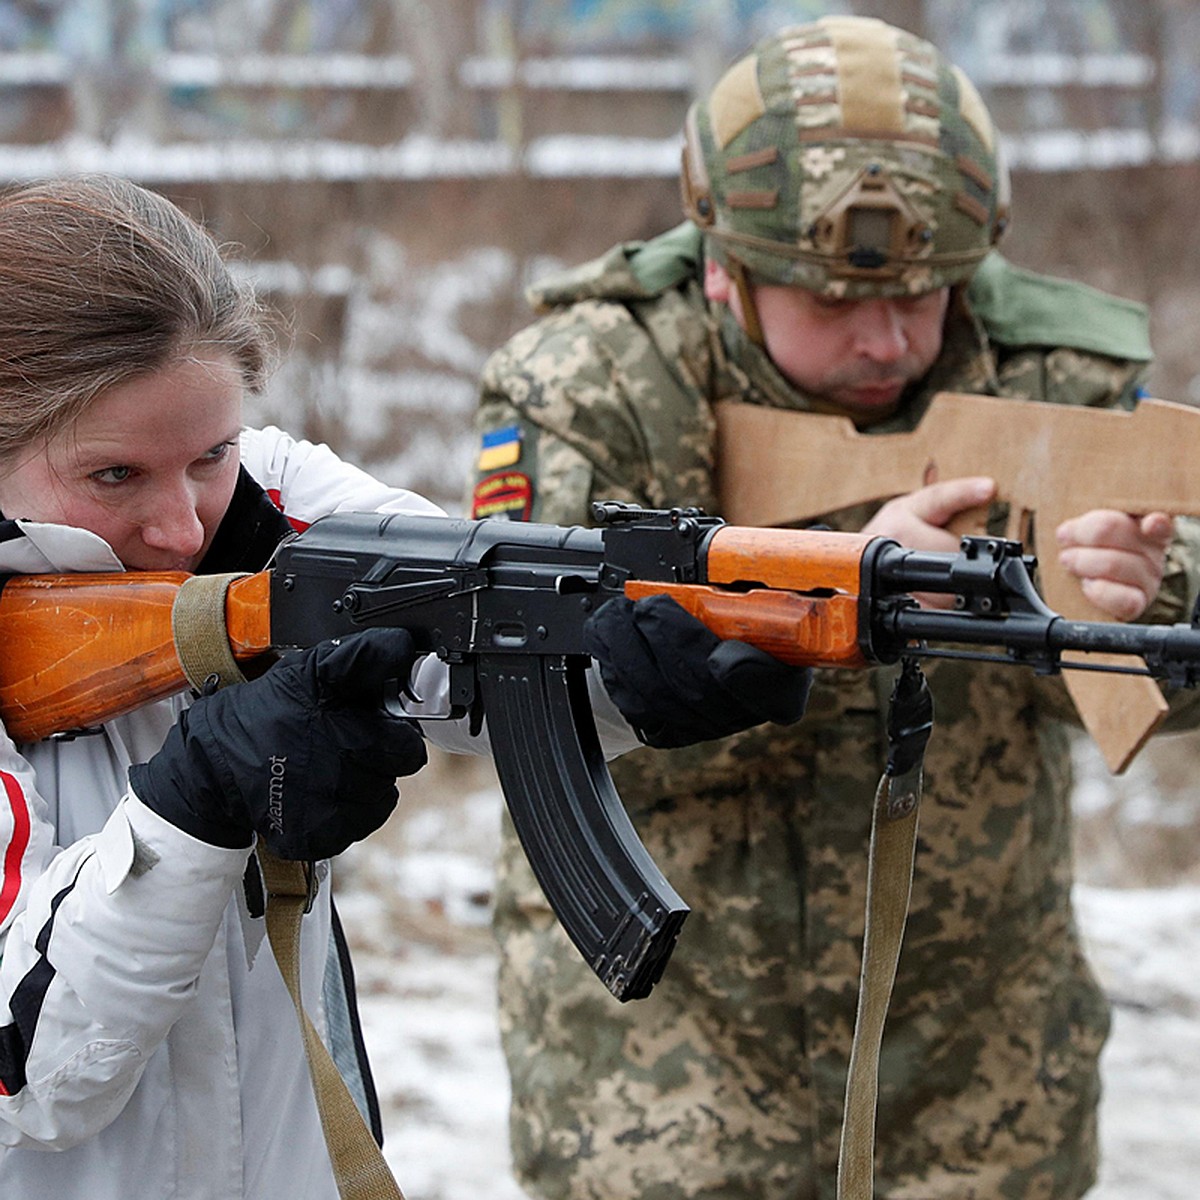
(145, 1031)
(125, 351)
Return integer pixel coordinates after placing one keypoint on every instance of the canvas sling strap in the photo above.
(358, 1163)
(202, 644)
(889, 886)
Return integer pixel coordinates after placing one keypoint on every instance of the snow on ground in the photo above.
(415, 901)
(416, 910)
(1145, 944)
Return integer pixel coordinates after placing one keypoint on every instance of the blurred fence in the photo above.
(394, 171)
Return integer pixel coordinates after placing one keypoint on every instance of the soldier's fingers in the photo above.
(1107, 527)
(1099, 527)
(1109, 562)
(1158, 527)
(1119, 600)
(917, 519)
(938, 503)
(896, 519)
(1118, 568)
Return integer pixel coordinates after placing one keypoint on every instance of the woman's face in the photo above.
(150, 466)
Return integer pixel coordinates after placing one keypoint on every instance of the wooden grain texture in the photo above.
(1054, 461)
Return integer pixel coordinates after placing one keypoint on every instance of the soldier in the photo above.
(844, 193)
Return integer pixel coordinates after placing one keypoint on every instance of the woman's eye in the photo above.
(218, 452)
(112, 474)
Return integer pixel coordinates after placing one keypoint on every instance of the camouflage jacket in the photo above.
(989, 1061)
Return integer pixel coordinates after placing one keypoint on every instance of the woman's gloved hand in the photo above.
(304, 756)
(677, 683)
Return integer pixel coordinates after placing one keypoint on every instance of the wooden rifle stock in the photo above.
(77, 650)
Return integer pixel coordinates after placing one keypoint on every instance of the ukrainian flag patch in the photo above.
(501, 448)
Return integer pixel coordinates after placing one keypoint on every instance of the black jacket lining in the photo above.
(249, 531)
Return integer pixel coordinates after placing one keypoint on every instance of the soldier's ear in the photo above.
(717, 284)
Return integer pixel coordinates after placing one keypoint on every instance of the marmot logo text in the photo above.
(275, 793)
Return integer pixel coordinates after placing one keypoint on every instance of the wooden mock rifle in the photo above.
(1050, 462)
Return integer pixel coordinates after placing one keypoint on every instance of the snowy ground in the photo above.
(416, 901)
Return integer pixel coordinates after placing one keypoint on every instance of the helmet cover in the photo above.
(847, 157)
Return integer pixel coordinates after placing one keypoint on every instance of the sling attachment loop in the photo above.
(199, 629)
(889, 887)
(359, 1168)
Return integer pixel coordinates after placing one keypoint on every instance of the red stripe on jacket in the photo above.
(10, 881)
(277, 500)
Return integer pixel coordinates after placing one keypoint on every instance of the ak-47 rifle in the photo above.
(504, 604)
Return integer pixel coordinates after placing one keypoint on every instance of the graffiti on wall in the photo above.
(611, 24)
(91, 27)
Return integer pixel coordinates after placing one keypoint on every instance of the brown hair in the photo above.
(102, 281)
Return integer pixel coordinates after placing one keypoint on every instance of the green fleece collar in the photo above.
(629, 272)
(1021, 308)
(1015, 307)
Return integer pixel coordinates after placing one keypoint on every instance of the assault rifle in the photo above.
(504, 604)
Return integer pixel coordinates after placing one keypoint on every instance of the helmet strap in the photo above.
(750, 319)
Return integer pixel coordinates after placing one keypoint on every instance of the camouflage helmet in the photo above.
(847, 157)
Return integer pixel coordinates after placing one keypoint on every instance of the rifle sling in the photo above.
(359, 1168)
(358, 1163)
(889, 887)
(198, 627)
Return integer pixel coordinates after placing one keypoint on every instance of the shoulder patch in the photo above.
(501, 448)
(505, 494)
(1023, 308)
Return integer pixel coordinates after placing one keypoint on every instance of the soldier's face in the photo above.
(857, 355)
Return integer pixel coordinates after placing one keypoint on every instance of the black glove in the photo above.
(305, 756)
(677, 683)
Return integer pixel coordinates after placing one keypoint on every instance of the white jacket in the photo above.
(147, 1043)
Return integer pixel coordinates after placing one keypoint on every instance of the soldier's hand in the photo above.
(1118, 558)
(919, 519)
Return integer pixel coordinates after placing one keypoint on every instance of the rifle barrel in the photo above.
(1045, 638)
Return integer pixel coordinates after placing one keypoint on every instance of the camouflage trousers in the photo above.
(728, 1081)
